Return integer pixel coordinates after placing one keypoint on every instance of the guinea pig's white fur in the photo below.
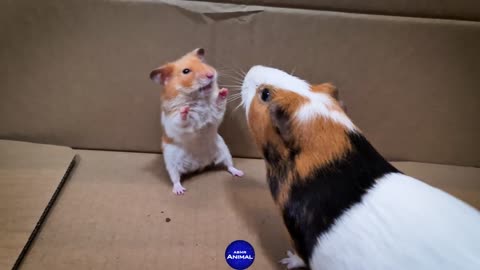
(319, 102)
(398, 223)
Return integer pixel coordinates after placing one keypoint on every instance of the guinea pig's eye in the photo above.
(186, 71)
(265, 95)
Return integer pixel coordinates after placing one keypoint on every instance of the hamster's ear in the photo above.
(281, 123)
(200, 53)
(326, 88)
(162, 74)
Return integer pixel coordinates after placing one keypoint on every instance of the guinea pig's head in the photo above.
(187, 75)
(293, 120)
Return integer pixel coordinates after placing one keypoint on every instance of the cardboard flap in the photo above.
(31, 176)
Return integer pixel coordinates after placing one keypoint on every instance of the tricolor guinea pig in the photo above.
(344, 205)
(193, 107)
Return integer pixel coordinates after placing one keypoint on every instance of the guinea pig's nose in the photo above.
(209, 75)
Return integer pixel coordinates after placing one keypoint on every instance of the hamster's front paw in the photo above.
(234, 171)
(222, 95)
(184, 112)
(178, 189)
(292, 261)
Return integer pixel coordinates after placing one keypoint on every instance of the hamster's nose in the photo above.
(209, 75)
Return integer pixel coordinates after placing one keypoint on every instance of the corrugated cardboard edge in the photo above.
(44, 215)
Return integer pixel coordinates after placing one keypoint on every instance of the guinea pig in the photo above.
(344, 205)
(193, 107)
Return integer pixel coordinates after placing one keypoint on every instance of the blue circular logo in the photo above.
(240, 255)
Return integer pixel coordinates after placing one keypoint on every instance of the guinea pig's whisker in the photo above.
(238, 106)
(234, 96)
(243, 72)
(234, 79)
(239, 73)
(231, 99)
(293, 70)
(232, 86)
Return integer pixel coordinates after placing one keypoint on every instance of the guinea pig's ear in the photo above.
(326, 88)
(162, 74)
(281, 122)
(331, 90)
(200, 53)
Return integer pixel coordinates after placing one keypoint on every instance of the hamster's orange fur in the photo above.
(172, 78)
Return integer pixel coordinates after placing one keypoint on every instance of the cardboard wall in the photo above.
(446, 9)
(75, 73)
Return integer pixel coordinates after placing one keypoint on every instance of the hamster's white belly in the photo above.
(402, 223)
(194, 151)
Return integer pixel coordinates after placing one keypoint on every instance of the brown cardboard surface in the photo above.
(462, 182)
(112, 214)
(76, 72)
(450, 9)
(30, 174)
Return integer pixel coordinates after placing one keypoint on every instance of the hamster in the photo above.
(193, 107)
(344, 205)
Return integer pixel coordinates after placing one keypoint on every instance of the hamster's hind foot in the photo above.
(234, 171)
(292, 261)
(178, 189)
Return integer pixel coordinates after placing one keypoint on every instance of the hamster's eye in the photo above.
(186, 71)
(265, 95)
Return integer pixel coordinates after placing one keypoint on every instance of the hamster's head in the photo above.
(291, 119)
(187, 75)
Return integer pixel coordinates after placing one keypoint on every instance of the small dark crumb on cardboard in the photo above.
(167, 219)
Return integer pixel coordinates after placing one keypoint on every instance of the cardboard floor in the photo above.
(30, 175)
(117, 212)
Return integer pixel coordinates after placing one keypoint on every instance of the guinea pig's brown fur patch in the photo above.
(332, 91)
(304, 146)
(326, 88)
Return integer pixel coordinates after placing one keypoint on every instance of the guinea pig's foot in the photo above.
(293, 261)
(223, 94)
(178, 189)
(184, 112)
(234, 171)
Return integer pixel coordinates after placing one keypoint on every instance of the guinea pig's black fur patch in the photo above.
(277, 176)
(281, 122)
(315, 203)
